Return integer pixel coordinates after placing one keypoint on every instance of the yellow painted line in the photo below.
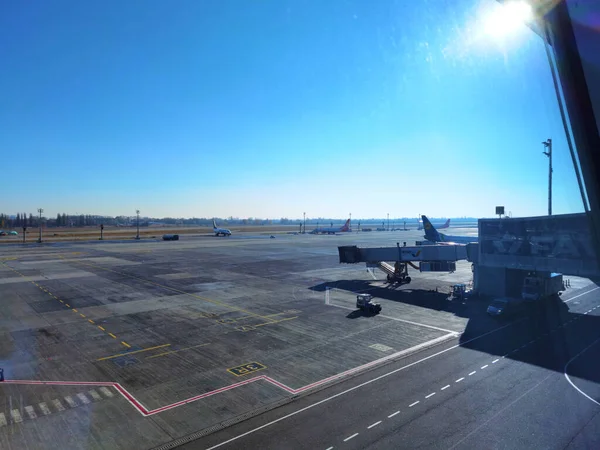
(112, 335)
(176, 351)
(55, 297)
(272, 323)
(131, 353)
(50, 294)
(216, 302)
(74, 310)
(90, 321)
(61, 301)
(67, 305)
(125, 344)
(82, 315)
(102, 328)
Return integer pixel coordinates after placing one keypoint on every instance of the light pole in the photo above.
(351, 221)
(548, 144)
(40, 210)
(137, 211)
(304, 223)
(388, 218)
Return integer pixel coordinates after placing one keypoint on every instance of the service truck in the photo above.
(538, 287)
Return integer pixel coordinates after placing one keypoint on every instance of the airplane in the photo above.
(439, 227)
(431, 234)
(13, 233)
(220, 231)
(332, 230)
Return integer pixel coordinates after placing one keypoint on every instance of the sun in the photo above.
(504, 20)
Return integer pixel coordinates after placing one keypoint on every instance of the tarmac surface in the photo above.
(174, 338)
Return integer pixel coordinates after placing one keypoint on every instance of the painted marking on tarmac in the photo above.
(2, 420)
(74, 310)
(459, 380)
(112, 335)
(133, 352)
(393, 414)
(569, 379)
(44, 408)
(445, 387)
(58, 405)
(102, 328)
(91, 321)
(176, 351)
(373, 425)
(70, 401)
(473, 373)
(82, 315)
(95, 395)
(125, 344)
(106, 392)
(245, 369)
(83, 398)
(413, 404)
(495, 361)
(430, 395)
(16, 416)
(483, 367)
(350, 437)
(31, 412)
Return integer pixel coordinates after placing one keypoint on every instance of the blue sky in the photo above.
(272, 108)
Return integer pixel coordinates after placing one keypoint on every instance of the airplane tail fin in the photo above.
(431, 233)
(446, 225)
(214, 224)
(346, 226)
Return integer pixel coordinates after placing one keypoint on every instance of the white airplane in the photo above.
(431, 234)
(220, 231)
(332, 230)
(439, 227)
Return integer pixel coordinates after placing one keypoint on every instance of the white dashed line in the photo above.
(329, 448)
(532, 341)
(413, 404)
(483, 367)
(495, 361)
(373, 425)
(445, 387)
(30, 412)
(106, 391)
(83, 398)
(58, 405)
(95, 395)
(472, 373)
(460, 379)
(392, 415)
(430, 395)
(70, 401)
(44, 408)
(16, 416)
(350, 437)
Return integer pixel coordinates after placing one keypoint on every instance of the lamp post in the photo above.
(548, 145)
(40, 210)
(304, 223)
(137, 212)
(388, 220)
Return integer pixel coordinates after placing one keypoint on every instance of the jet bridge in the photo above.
(431, 258)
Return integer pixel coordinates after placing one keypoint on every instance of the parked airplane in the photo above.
(332, 230)
(439, 227)
(431, 234)
(220, 231)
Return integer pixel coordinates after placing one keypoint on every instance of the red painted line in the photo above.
(146, 412)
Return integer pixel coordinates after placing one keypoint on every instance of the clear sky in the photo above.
(273, 108)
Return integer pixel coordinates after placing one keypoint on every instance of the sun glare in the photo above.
(504, 20)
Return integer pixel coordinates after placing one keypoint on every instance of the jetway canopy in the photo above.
(560, 243)
(353, 254)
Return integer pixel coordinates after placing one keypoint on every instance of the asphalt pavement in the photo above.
(505, 389)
